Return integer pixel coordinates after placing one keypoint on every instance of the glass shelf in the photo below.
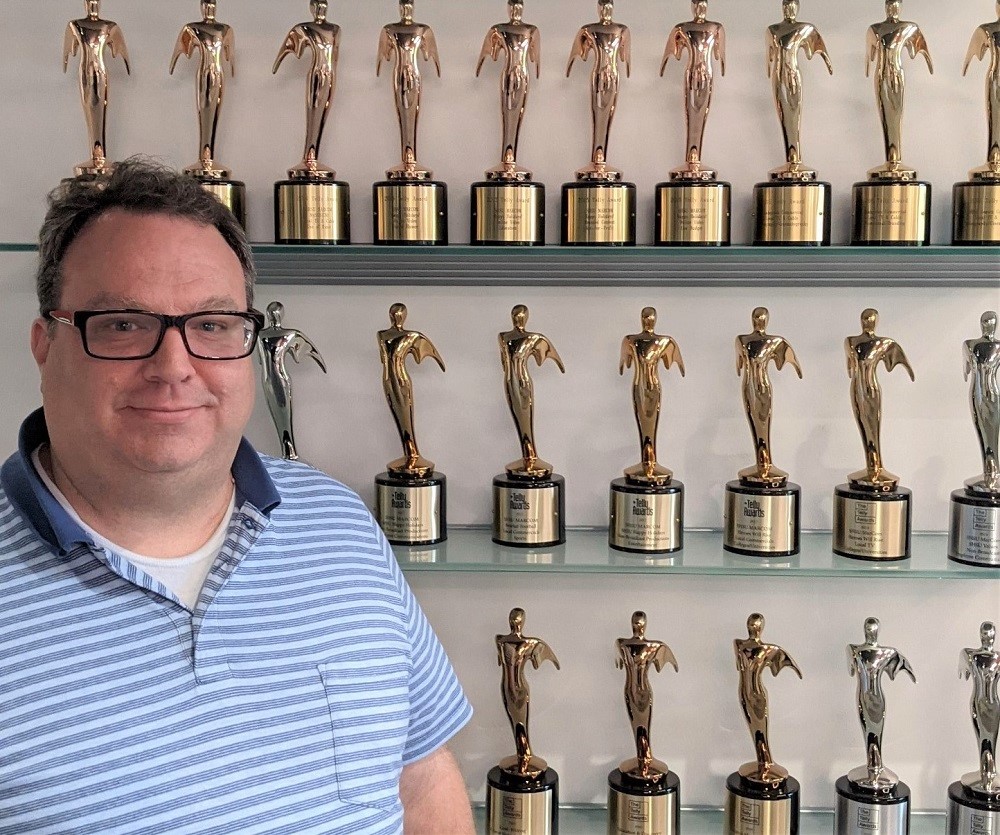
(586, 552)
(593, 820)
(644, 266)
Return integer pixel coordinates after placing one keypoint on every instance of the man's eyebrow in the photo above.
(111, 300)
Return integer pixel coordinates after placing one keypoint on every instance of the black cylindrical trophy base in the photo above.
(231, 193)
(792, 213)
(508, 213)
(974, 533)
(693, 213)
(971, 814)
(752, 809)
(761, 521)
(871, 526)
(646, 519)
(976, 213)
(410, 213)
(642, 809)
(888, 213)
(411, 511)
(861, 812)
(312, 212)
(529, 513)
(598, 214)
(522, 806)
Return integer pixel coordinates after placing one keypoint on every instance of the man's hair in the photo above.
(140, 186)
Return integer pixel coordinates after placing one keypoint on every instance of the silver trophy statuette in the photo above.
(873, 793)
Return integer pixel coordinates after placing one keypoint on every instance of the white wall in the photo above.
(584, 422)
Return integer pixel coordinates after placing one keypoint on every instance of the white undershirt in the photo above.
(184, 575)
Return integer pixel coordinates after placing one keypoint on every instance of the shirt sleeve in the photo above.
(438, 705)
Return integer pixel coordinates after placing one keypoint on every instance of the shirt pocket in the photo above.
(368, 697)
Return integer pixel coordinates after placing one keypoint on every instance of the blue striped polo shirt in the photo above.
(287, 701)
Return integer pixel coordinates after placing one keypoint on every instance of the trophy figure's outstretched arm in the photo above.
(676, 44)
(429, 49)
(492, 45)
(719, 50)
(580, 49)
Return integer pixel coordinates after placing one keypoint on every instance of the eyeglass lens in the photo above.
(209, 336)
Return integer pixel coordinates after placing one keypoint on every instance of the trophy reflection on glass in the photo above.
(793, 207)
(974, 801)
(508, 208)
(974, 533)
(761, 798)
(275, 344)
(311, 206)
(410, 206)
(647, 505)
(872, 798)
(762, 506)
(643, 794)
(976, 203)
(871, 512)
(522, 793)
(693, 208)
(529, 503)
(216, 44)
(410, 500)
(90, 36)
(598, 209)
(892, 208)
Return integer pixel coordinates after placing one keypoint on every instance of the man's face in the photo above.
(170, 414)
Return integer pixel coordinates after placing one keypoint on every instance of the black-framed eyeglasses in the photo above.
(137, 334)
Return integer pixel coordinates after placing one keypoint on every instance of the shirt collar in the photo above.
(53, 524)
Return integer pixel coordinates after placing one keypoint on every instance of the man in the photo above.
(194, 638)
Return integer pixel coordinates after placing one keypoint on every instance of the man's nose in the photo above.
(171, 362)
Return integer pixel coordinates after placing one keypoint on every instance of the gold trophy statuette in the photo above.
(647, 505)
(793, 207)
(892, 208)
(974, 534)
(529, 503)
(762, 506)
(976, 203)
(693, 208)
(508, 209)
(871, 512)
(90, 36)
(522, 793)
(871, 798)
(312, 206)
(275, 344)
(643, 794)
(410, 207)
(410, 495)
(216, 44)
(598, 209)
(761, 798)
(974, 801)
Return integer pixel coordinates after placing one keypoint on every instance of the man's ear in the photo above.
(40, 341)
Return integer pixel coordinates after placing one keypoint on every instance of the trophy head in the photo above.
(93, 9)
(516, 620)
(319, 9)
(755, 626)
(397, 315)
(988, 634)
(275, 310)
(519, 316)
(606, 8)
(516, 9)
(759, 319)
(892, 8)
(791, 10)
(208, 10)
(648, 318)
(988, 322)
(406, 11)
(871, 631)
(638, 624)
(869, 319)
(699, 8)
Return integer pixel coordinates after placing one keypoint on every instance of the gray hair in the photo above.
(141, 186)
